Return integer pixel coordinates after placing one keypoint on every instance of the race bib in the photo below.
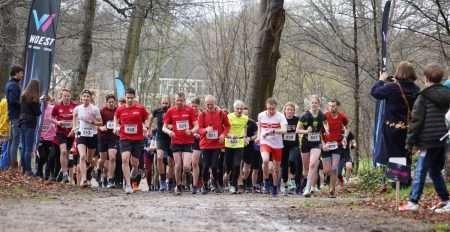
(131, 129)
(66, 124)
(182, 125)
(87, 132)
(212, 135)
(289, 137)
(332, 146)
(233, 140)
(110, 125)
(45, 127)
(314, 137)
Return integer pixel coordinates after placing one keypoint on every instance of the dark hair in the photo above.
(271, 101)
(434, 73)
(122, 100)
(109, 96)
(131, 91)
(196, 101)
(86, 91)
(15, 69)
(338, 103)
(405, 71)
(181, 95)
(31, 92)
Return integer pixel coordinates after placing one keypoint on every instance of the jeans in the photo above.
(431, 160)
(27, 148)
(4, 162)
(13, 143)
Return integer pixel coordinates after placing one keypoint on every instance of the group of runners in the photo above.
(196, 147)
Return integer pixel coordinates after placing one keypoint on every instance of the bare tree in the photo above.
(266, 53)
(8, 39)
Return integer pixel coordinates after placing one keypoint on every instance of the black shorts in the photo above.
(252, 157)
(107, 142)
(90, 142)
(181, 148)
(163, 144)
(74, 161)
(307, 146)
(134, 147)
(196, 145)
(62, 139)
(345, 156)
(329, 154)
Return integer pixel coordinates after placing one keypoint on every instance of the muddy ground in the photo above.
(112, 210)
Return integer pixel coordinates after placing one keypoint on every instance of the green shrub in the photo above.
(370, 180)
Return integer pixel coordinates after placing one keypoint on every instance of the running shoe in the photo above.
(286, 191)
(111, 184)
(219, 189)
(445, 209)
(204, 190)
(410, 206)
(233, 190)
(128, 189)
(274, 191)
(65, 178)
(194, 190)
(162, 186)
(307, 192)
(332, 194)
(266, 187)
(178, 190)
(438, 205)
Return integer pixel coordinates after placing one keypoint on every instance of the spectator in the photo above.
(4, 133)
(13, 92)
(425, 132)
(29, 112)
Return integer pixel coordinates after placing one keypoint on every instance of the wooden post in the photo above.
(397, 194)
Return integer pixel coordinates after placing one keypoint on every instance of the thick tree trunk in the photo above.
(85, 45)
(266, 54)
(356, 87)
(8, 40)
(132, 45)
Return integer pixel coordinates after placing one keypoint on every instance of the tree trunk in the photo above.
(8, 40)
(266, 54)
(79, 77)
(132, 45)
(356, 86)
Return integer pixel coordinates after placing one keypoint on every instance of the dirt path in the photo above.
(144, 211)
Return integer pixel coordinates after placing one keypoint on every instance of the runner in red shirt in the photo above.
(334, 142)
(213, 128)
(131, 118)
(107, 141)
(184, 124)
(63, 117)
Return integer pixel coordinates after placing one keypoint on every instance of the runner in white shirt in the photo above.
(271, 126)
(86, 118)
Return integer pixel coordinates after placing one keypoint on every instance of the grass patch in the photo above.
(442, 228)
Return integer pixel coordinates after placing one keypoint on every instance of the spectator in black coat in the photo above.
(425, 132)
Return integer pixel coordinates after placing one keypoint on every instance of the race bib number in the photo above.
(182, 125)
(45, 127)
(110, 125)
(233, 140)
(66, 124)
(314, 137)
(212, 135)
(87, 132)
(289, 137)
(332, 146)
(131, 129)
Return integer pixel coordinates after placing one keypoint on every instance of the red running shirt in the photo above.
(131, 121)
(336, 126)
(108, 121)
(64, 113)
(181, 119)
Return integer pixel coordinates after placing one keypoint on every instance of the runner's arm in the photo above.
(167, 130)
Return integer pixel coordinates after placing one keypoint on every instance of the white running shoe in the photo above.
(445, 209)
(410, 206)
(128, 189)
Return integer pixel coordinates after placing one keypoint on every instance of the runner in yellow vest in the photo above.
(234, 144)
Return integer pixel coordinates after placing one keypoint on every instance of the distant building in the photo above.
(191, 87)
